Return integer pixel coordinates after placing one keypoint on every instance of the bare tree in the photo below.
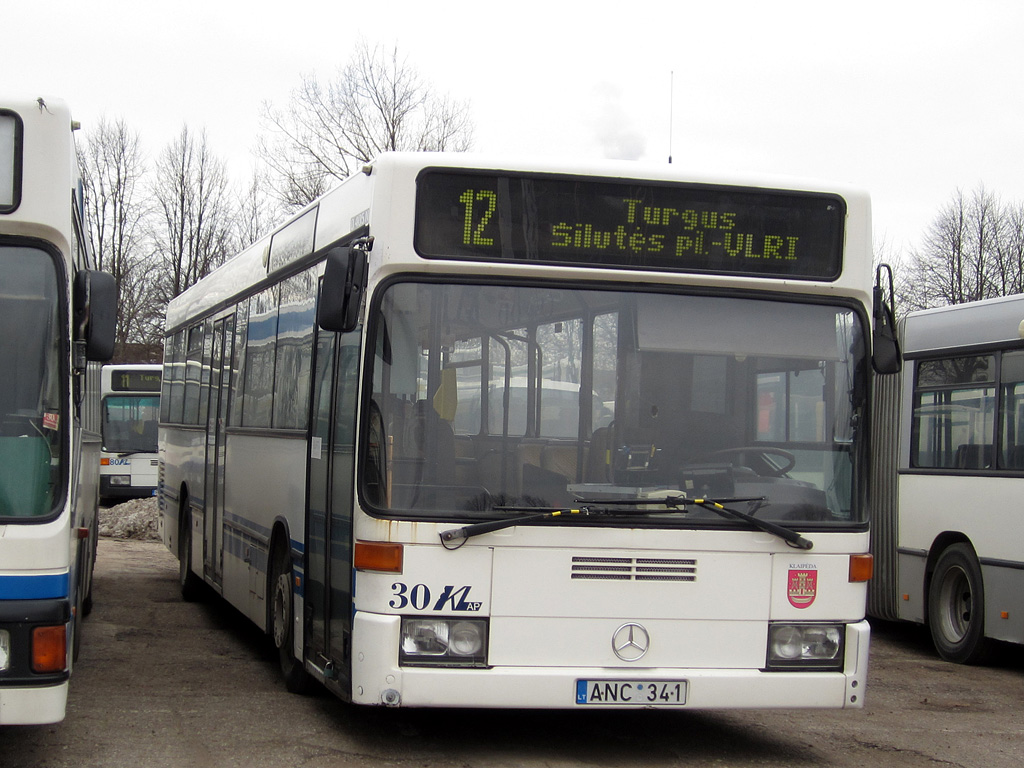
(883, 252)
(965, 256)
(194, 218)
(378, 102)
(256, 213)
(1008, 251)
(112, 169)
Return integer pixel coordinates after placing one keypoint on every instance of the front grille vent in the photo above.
(634, 568)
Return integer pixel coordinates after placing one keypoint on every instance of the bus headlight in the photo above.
(443, 642)
(806, 646)
(120, 479)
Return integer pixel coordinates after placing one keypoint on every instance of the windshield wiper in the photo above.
(788, 535)
(475, 529)
(613, 507)
(717, 506)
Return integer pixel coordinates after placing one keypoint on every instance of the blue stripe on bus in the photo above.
(25, 587)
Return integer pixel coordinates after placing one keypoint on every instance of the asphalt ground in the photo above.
(161, 682)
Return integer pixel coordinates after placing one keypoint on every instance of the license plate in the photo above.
(644, 693)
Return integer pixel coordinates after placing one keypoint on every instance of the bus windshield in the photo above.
(30, 376)
(130, 423)
(494, 396)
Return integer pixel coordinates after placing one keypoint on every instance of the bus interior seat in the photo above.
(466, 467)
(597, 465)
(528, 454)
(490, 468)
(429, 455)
(544, 487)
(560, 458)
(442, 453)
(973, 456)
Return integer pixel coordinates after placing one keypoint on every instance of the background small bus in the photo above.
(129, 465)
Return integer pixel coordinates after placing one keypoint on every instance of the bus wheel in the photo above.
(282, 613)
(956, 607)
(191, 585)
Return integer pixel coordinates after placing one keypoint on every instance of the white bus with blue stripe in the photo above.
(130, 408)
(56, 315)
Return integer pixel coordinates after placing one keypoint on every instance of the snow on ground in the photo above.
(134, 519)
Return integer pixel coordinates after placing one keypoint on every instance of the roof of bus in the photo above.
(48, 173)
(250, 265)
(975, 323)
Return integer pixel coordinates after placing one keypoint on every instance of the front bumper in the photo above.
(377, 679)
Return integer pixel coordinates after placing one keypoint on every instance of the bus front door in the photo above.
(329, 514)
(217, 414)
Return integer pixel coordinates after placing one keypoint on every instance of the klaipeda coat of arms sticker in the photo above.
(802, 586)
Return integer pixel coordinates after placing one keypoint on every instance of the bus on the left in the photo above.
(56, 326)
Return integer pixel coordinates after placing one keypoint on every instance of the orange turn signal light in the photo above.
(862, 567)
(50, 649)
(378, 556)
(104, 462)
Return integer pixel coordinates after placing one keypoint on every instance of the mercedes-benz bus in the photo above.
(485, 433)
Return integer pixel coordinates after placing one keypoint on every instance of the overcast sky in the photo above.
(909, 99)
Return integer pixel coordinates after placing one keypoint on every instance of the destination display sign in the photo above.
(10, 161)
(464, 214)
(135, 381)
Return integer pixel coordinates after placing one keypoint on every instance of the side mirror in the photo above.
(341, 292)
(885, 355)
(95, 299)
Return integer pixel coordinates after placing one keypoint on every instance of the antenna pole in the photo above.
(671, 95)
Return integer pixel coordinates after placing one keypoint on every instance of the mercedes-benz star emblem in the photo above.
(630, 642)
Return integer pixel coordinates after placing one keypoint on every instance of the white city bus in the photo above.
(948, 532)
(131, 414)
(477, 434)
(55, 314)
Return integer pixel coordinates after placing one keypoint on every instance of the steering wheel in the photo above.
(764, 451)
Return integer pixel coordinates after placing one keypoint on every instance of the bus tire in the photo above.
(282, 602)
(191, 585)
(956, 607)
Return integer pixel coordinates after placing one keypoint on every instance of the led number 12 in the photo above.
(473, 234)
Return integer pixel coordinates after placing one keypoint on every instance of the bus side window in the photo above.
(1011, 379)
(971, 456)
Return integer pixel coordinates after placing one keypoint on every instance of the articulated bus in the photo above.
(56, 314)
(466, 433)
(947, 513)
(129, 464)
